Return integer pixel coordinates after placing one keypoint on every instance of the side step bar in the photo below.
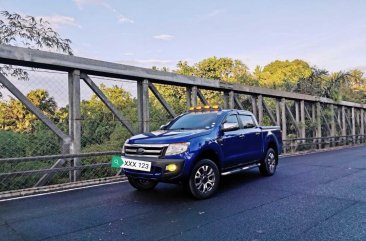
(240, 169)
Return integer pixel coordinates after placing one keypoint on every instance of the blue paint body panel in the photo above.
(231, 148)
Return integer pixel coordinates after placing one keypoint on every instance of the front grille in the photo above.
(148, 150)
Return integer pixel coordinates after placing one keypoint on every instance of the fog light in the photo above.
(171, 167)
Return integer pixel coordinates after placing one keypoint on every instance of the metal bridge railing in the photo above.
(64, 124)
(29, 172)
(13, 178)
(312, 144)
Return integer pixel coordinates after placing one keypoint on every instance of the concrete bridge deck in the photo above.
(319, 196)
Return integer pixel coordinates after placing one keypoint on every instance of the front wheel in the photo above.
(204, 179)
(269, 164)
(142, 184)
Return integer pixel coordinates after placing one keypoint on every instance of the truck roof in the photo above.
(207, 108)
(239, 111)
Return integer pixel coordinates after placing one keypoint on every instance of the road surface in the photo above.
(319, 196)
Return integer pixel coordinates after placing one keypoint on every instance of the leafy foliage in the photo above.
(27, 31)
(283, 74)
(99, 123)
(101, 130)
(30, 32)
(225, 69)
(15, 116)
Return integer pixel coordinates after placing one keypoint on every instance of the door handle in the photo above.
(241, 135)
(257, 133)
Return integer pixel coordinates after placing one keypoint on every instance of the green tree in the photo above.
(358, 85)
(283, 75)
(223, 69)
(30, 32)
(15, 116)
(337, 85)
(3, 110)
(185, 69)
(358, 81)
(313, 84)
(12, 144)
(99, 123)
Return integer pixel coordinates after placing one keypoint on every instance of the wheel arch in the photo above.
(272, 142)
(211, 154)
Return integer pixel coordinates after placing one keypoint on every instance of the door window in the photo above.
(247, 121)
(232, 119)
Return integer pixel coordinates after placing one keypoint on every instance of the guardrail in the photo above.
(102, 171)
(307, 122)
(307, 144)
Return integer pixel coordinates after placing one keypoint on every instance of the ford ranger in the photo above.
(198, 147)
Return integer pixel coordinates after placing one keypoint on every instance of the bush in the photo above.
(12, 144)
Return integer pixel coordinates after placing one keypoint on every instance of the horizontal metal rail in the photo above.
(61, 156)
(54, 170)
(319, 138)
(292, 111)
(108, 164)
(109, 153)
(54, 61)
(293, 145)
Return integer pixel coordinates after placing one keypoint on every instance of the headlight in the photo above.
(123, 148)
(176, 148)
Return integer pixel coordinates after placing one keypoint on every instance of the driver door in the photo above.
(231, 143)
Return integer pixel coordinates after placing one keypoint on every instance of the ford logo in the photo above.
(140, 150)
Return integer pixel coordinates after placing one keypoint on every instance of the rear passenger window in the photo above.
(247, 121)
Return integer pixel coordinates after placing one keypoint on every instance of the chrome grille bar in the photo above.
(150, 150)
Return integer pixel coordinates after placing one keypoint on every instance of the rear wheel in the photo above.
(204, 179)
(142, 184)
(269, 164)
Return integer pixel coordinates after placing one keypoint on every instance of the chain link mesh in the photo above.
(22, 135)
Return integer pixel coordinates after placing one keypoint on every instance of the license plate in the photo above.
(136, 164)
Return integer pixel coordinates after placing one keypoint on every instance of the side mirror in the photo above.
(230, 127)
(162, 127)
(249, 125)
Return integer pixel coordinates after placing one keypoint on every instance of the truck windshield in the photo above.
(195, 121)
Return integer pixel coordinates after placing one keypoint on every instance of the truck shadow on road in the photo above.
(172, 193)
(239, 180)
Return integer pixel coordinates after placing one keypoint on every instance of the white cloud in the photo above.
(57, 21)
(164, 37)
(82, 3)
(128, 54)
(120, 17)
(123, 19)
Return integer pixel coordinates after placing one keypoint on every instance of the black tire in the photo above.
(204, 179)
(269, 164)
(142, 184)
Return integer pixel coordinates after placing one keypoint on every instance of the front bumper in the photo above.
(157, 171)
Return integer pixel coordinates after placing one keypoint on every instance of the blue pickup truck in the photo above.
(198, 147)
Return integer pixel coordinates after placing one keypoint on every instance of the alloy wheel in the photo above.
(204, 178)
(271, 161)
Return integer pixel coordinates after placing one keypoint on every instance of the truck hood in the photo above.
(167, 136)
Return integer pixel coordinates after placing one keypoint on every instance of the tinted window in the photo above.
(231, 119)
(246, 120)
(195, 121)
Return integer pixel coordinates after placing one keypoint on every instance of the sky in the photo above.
(329, 34)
